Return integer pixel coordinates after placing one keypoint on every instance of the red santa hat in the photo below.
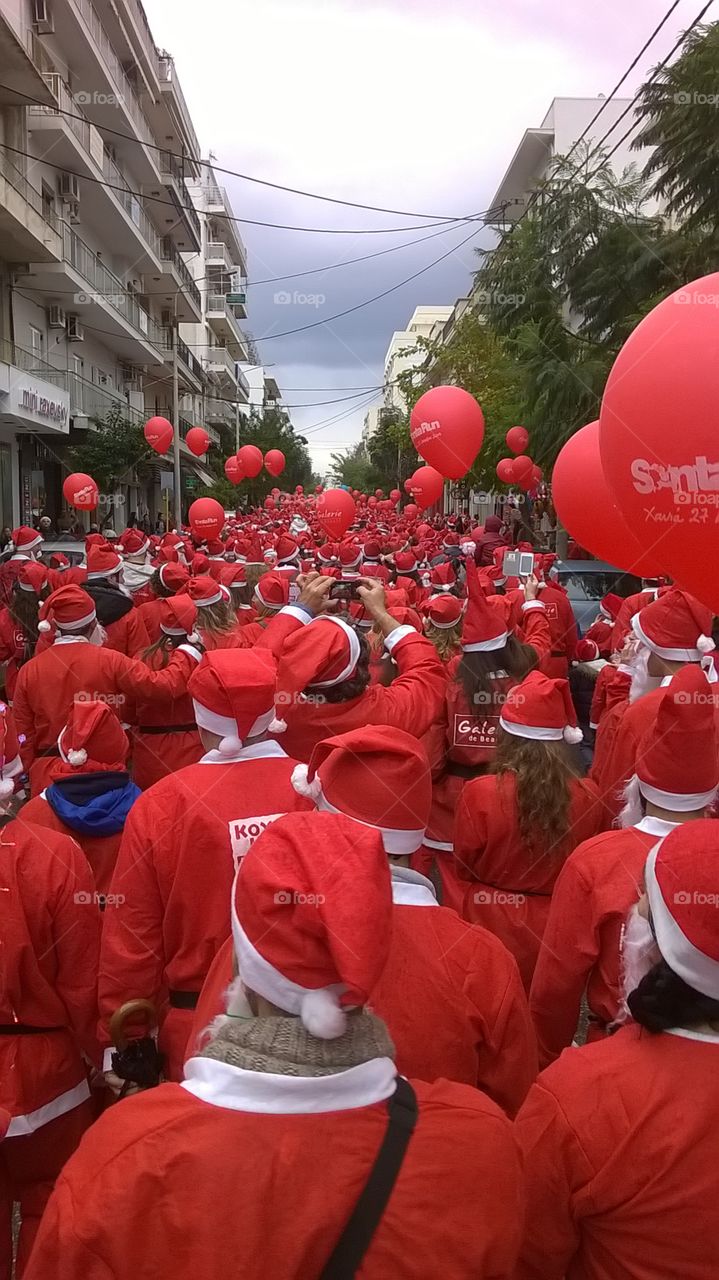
(350, 556)
(95, 540)
(360, 616)
(379, 571)
(450, 540)
(134, 543)
(205, 591)
(69, 609)
(233, 576)
(32, 577)
(287, 549)
(312, 918)
(26, 539)
(59, 561)
(443, 611)
(375, 775)
(405, 562)
(609, 606)
(677, 764)
(232, 693)
(93, 740)
(171, 541)
(273, 590)
(321, 654)
(166, 555)
(372, 549)
(586, 650)
(327, 553)
(681, 884)
(442, 577)
(102, 562)
(215, 548)
(10, 762)
(178, 616)
(484, 626)
(199, 565)
(675, 626)
(174, 577)
(542, 709)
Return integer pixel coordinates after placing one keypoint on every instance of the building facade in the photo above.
(402, 352)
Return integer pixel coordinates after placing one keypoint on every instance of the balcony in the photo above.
(221, 364)
(190, 370)
(170, 86)
(175, 287)
(21, 61)
(219, 411)
(30, 230)
(186, 232)
(215, 200)
(221, 317)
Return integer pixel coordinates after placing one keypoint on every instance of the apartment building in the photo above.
(111, 238)
(402, 352)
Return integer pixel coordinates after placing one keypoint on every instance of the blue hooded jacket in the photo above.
(93, 804)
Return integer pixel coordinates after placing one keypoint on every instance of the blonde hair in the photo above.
(217, 619)
(446, 640)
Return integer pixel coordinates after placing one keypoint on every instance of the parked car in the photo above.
(70, 547)
(587, 581)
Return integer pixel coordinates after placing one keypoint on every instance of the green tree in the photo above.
(114, 454)
(269, 429)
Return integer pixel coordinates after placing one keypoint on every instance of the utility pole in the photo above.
(176, 435)
(237, 426)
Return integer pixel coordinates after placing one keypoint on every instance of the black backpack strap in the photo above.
(347, 1255)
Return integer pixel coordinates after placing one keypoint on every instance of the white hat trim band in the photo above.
(671, 655)
(536, 731)
(674, 800)
(698, 970)
(355, 654)
(396, 840)
(486, 646)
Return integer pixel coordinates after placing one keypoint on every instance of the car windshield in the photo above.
(593, 586)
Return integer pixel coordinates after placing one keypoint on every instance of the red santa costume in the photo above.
(510, 885)
(311, 919)
(137, 569)
(27, 543)
(444, 612)
(176, 882)
(619, 1137)
(677, 628)
(611, 688)
(325, 654)
(630, 606)
(91, 793)
(48, 684)
(121, 621)
(16, 644)
(50, 928)
(173, 582)
(562, 629)
(271, 594)
(166, 737)
(457, 983)
(677, 770)
(601, 630)
(206, 592)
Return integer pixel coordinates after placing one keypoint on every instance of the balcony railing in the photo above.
(29, 194)
(130, 203)
(169, 253)
(167, 75)
(186, 424)
(66, 103)
(169, 168)
(221, 356)
(190, 360)
(108, 287)
(117, 75)
(216, 252)
(85, 397)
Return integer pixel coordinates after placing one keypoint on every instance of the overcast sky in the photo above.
(408, 104)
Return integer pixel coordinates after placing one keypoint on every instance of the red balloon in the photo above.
(299, 488)
(505, 470)
(269, 503)
(659, 427)
(427, 487)
(447, 429)
(411, 511)
(206, 517)
(379, 493)
(408, 484)
(522, 469)
(234, 470)
(197, 441)
(275, 462)
(336, 509)
(517, 439)
(80, 491)
(158, 432)
(537, 475)
(251, 458)
(586, 507)
(395, 496)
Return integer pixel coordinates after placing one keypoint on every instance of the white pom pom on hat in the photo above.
(705, 644)
(230, 745)
(572, 735)
(44, 626)
(321, 1014)
(302, 785)
(77, 758)
(7, 786)
(277, 726)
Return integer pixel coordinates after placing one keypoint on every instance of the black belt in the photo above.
(523, 893)
(184, 999)
(560, 654)
(167, 728)
(466, 770)
(22, 1029)
(49, 751)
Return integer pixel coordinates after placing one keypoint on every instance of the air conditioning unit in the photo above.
(74, 330)
(70, 187)
(56, 317)
(42, 18)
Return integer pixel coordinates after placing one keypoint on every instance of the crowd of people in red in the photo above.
(321, 951)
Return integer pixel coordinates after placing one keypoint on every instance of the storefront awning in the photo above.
(32, 404)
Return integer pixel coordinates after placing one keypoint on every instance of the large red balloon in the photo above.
(522, 468)
(299, 488)
(379, 493)
(336, 509)
(206, 517)
(411, 511)
(395, 496)
(517, 439)
(158, 432)
(197, 441)
(427, 487)
(269, 503)
(659, 436)
(251, 459)
(80, 491)
(447, 429)
(234, 470)
(585, 505)
(275, 462)
(505, 470)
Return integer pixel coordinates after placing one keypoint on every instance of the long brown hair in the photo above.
(543, 775)
(163, 647)
(23, 609)
(446, 640)
(217, 619)
(477, 670)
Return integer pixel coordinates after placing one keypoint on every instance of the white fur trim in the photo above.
(6, 788)
(235, 1089)
(705, 644)
(486, 646)
(277, 725)
(354, 654)
(533, 604)
(216, 599)
(675, 801)
(321, 1014)
(77, 758)
(671, 655)
(396, 840)
(34, 1120)
(535, 731)
(302, 785)
(223, 726)
(697, 969)
(73, 626)
(398, 634)
(230, 745)
(631, 814)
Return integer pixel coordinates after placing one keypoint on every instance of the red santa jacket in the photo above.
(9, 572)
(601, 633)
(620, 1160)
(509, 887)
(611, 688)
(182, 844)
(451, 996)
(150, 613)
(12, 650)
(298, 1165)
(49, 945)
(580, 949)
(628, 608)
(413, 700)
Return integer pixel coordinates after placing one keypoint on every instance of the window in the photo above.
(36, 340)
(48, 202)
(77, 385)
